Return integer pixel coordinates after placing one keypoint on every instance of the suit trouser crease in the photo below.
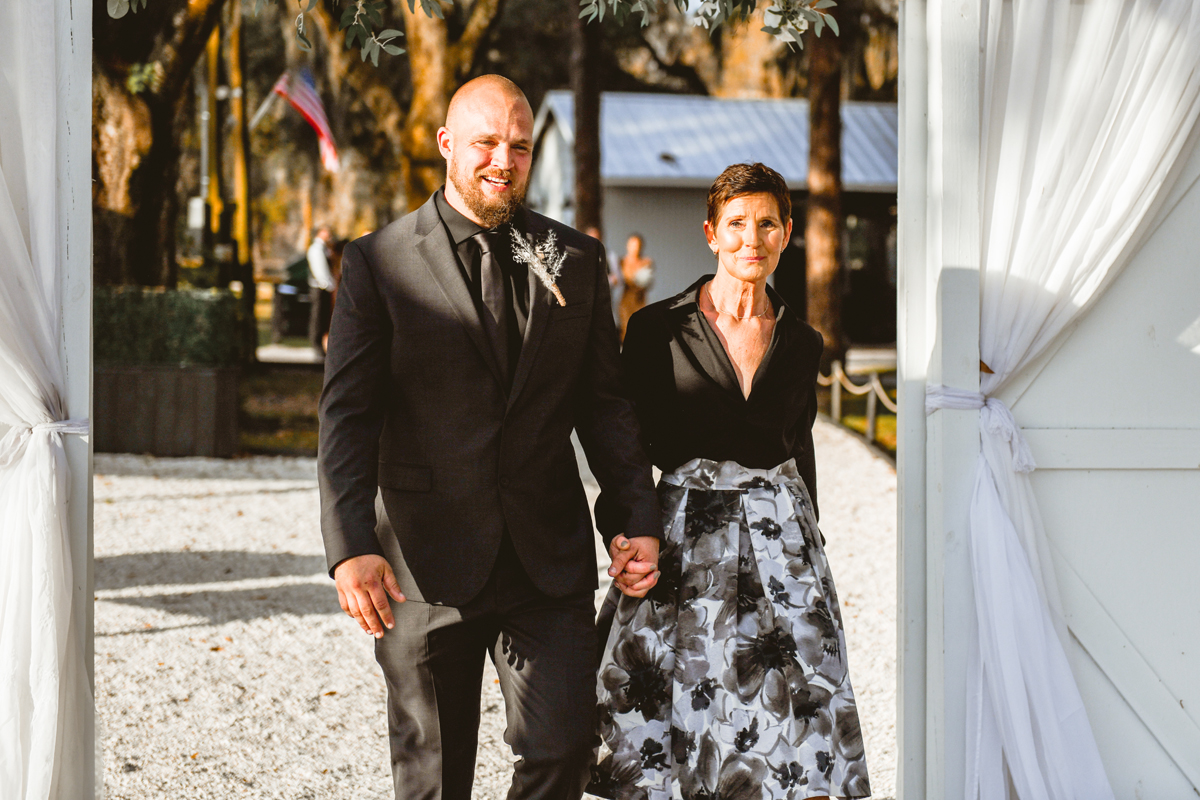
(544, 652)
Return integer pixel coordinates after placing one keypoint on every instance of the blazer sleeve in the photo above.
(351, 413)
(608, 429)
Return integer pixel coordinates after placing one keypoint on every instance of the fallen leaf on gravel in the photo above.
(218, 647)
(327, 694)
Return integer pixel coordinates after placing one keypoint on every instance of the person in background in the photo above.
(335, 272)
(637, 273)
(614, 268)
(320, 287)
(614, 262)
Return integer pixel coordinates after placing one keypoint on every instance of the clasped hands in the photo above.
(364, 583)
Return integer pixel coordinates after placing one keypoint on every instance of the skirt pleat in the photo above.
(729, 679)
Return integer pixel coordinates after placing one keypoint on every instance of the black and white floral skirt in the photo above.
(729, 679)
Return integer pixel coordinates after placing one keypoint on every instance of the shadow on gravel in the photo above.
(258, 468)
(253, 492)
(200, 566)
(242, 605)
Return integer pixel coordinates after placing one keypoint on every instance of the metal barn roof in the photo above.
(687, 140)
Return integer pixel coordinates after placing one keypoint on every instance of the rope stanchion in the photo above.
(838, 381)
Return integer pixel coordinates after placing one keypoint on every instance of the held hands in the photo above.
(364, 584)
(634, 564)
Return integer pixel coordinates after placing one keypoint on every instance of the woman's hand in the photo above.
(634, 564)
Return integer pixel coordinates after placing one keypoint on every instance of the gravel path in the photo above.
(224, 667)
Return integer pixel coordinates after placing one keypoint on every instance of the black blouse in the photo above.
(687, 396)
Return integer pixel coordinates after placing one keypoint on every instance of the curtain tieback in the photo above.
(79, 427)
(995, 418)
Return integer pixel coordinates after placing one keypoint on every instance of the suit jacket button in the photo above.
(503, 482)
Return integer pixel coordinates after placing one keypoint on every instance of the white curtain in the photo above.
(1087, 108)
(44, 699)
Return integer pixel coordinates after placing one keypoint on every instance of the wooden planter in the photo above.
(166, 411)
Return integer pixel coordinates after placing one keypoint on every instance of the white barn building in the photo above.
(659, 153)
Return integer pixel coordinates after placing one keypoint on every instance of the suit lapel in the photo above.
(539, 314)
(434, 247)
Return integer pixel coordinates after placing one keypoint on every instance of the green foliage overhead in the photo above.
(786, 20)
(133, 325)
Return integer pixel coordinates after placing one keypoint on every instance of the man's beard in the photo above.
(491, 212)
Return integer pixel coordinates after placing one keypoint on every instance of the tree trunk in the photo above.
(585, 85)
(423, 169)
(352, 81)
(437, 66)
(135, 155)
(241, 185)
(823, 225)
(121, 137)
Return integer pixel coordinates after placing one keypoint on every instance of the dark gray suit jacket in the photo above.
(414, 410)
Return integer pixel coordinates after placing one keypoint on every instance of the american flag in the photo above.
(301, 91)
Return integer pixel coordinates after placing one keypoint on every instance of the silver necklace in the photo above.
(719, 310)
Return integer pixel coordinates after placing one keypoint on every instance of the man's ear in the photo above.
(445, 142)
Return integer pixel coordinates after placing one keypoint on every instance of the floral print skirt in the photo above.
(729, 679)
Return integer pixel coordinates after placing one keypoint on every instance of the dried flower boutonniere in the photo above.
(544, 258)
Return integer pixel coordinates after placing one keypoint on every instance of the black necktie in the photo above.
(491, 287)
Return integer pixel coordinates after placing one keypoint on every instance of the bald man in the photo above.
(454, 519)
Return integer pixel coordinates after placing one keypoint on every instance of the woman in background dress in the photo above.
(637, 273)
(729, 679)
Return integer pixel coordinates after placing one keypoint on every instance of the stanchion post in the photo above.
(872, 400)
(835, 397)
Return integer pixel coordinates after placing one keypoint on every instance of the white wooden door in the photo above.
(1113, 418)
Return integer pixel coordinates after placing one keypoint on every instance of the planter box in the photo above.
(166, 411)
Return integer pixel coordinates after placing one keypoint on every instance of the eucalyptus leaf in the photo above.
(392, 49)
(390, 33)
(118, 8)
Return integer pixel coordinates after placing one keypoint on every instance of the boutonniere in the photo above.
(544, 258)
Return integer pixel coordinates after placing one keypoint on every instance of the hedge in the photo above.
(133, 325)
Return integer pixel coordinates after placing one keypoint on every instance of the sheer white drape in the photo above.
(1087, 107)
(44, 698)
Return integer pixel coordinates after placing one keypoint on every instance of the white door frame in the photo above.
(73, 157)
(938, 293)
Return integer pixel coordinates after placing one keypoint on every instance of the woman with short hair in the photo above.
(729, 678)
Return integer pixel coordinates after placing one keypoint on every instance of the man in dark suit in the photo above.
(448, 480)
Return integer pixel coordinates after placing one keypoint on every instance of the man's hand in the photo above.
(364, 584)
(634, 564)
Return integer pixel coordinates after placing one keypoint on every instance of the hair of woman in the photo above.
(748, 178)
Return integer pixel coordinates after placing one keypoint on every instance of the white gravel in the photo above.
(224, 667)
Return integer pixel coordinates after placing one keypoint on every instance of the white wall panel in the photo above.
(1113, 419)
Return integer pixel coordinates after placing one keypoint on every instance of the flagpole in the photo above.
(263, 107)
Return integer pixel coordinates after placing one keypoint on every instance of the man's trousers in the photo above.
(544, 650)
